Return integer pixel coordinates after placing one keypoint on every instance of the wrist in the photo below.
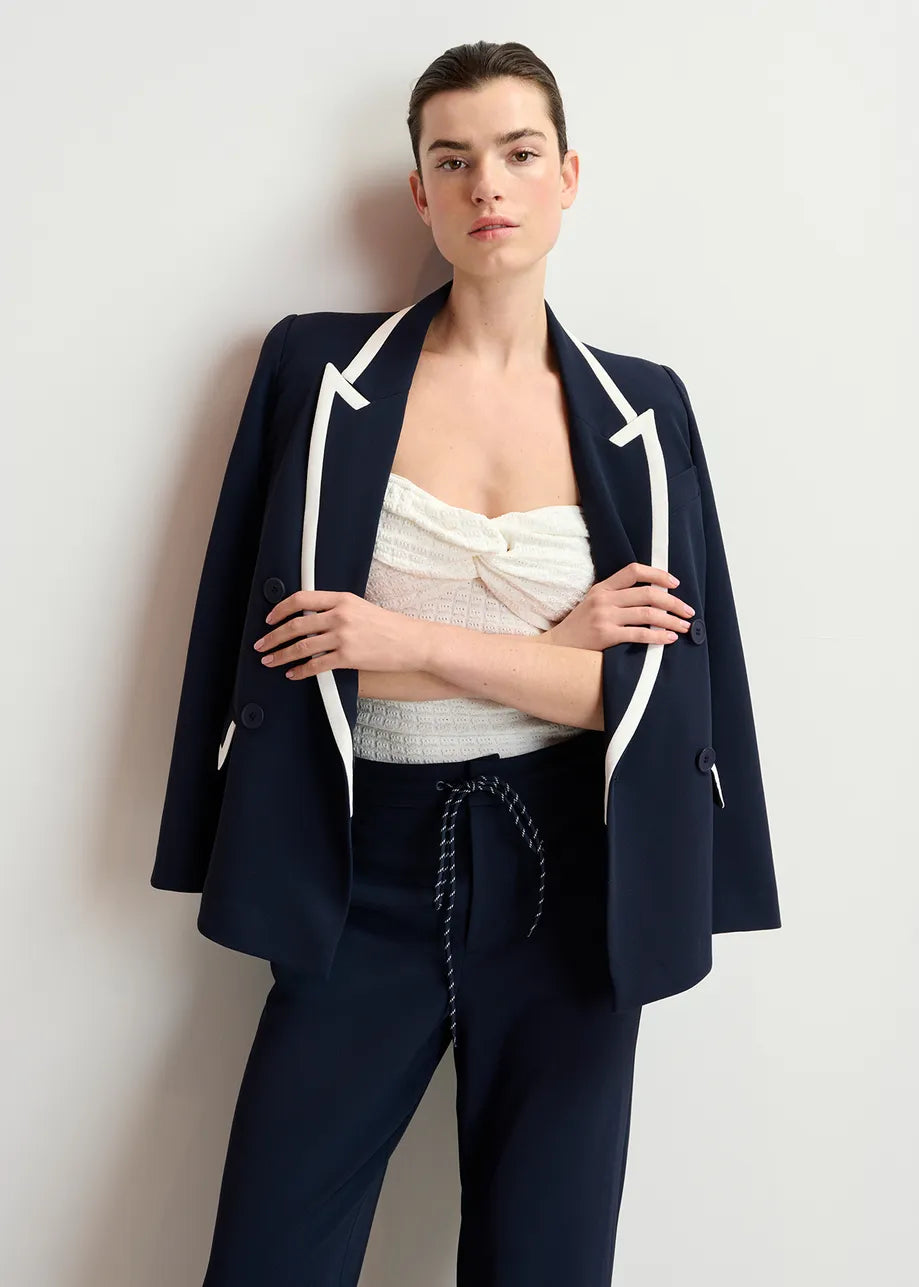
(425, 639)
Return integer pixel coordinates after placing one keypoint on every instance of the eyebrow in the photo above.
(462, 145)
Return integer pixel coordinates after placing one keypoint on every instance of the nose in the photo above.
(486, 187)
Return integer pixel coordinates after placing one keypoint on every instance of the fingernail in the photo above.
(674, 580)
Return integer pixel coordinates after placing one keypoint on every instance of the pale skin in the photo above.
(561, 683)
(485, 428)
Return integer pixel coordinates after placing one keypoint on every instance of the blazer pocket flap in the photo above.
(683, 487)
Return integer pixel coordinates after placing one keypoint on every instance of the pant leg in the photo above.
(544, 1065)
(336, 1071)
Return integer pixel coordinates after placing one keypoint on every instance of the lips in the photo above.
(497, 223)
(495, 234)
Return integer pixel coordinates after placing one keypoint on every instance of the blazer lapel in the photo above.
(621, 472)
(356, 426)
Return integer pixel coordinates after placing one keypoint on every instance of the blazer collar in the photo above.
(400, 337)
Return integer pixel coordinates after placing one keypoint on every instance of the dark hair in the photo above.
(469, 66)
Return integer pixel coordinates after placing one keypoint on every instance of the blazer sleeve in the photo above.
(194, 786)
(744, 875)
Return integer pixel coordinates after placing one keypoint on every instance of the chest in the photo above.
(486, 445)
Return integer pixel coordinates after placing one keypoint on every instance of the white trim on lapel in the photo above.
(368, 351)
(645, 426)
(641, 425)
(333, 382)
(608, 384)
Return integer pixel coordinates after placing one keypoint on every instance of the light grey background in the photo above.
(180, 178)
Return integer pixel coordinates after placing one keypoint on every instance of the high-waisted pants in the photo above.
(453, 866)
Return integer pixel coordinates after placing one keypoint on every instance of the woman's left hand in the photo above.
(340, 630)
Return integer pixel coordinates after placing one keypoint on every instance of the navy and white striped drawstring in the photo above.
(525, 825)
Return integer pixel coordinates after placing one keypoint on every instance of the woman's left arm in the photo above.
(406, 686)
(421, 685)
(561, 684)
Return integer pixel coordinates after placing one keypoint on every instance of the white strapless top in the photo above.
(518, 573)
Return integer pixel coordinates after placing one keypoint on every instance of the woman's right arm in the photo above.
(641, 613)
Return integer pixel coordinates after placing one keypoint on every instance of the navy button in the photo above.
(697, 630)
(705, 759)
(274, 589)
(252, 715)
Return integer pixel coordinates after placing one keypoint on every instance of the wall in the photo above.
(182, 177)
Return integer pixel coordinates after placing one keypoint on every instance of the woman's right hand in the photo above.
(620, 610)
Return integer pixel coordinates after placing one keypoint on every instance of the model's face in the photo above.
(520, 179)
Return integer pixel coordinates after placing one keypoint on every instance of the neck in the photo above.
(497, 325)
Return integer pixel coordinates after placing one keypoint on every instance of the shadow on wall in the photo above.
(154, 1203)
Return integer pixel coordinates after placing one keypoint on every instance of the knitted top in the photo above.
(518, 573)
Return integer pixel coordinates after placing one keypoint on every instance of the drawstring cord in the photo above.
(525, 825)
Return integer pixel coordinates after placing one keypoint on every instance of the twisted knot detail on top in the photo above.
(516, 573)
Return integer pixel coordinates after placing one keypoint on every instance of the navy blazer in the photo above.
(258, 802)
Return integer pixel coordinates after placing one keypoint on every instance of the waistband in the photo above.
(572, 760)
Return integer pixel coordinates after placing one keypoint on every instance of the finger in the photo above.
(299, 650)
(303, 601)
(657, 595)
(649, 616)
(639, 574)
(633, 573)
(292, 629)
(314, 666)
(639, 634)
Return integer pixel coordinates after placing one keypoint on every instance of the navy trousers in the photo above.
(476, 919)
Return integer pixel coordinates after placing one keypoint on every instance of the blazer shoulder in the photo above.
(335, 326)
(327, 335)
(641, 371)
(645, 381)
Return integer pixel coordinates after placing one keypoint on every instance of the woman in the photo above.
(478, 896)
